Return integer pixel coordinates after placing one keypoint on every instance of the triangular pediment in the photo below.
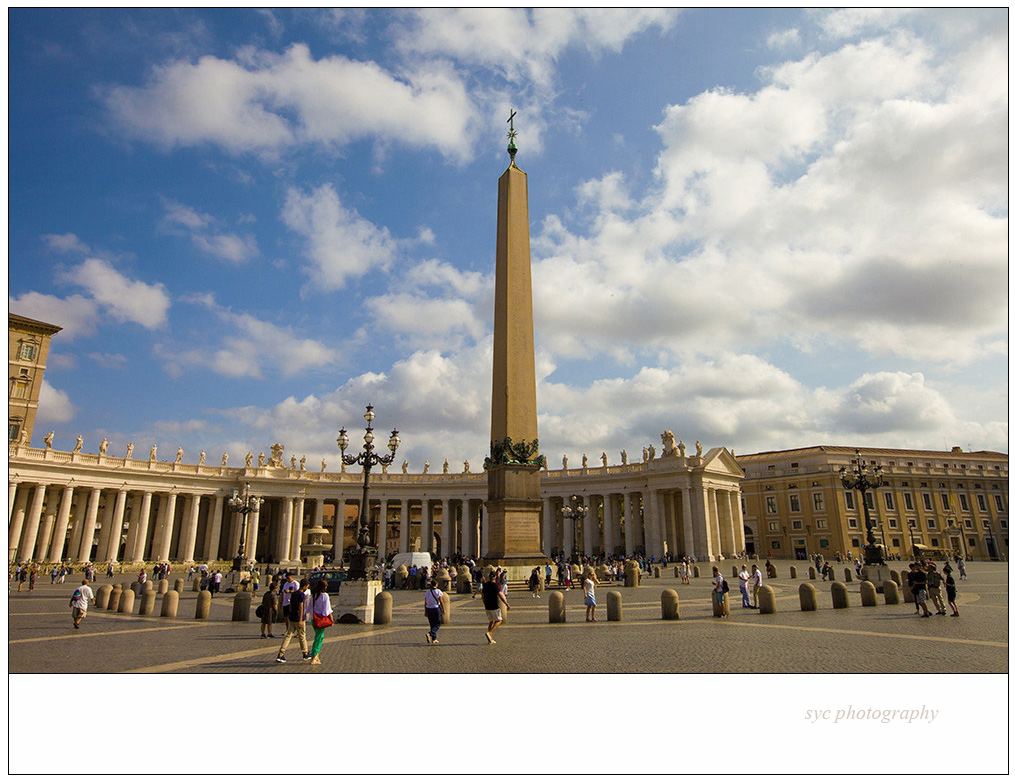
(720, 460)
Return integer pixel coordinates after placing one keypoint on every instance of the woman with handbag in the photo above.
(433, 610)
(321, 606)
(269, 605)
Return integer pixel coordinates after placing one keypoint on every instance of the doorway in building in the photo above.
(749, 541)
(799, 552)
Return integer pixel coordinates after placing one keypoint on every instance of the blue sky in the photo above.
(759, 229)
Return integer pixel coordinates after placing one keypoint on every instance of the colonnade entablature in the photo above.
(77, 507)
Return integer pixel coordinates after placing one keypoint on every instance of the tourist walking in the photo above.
(492, 599)
(433, 610)
(755, 584)
(288, 587)
(320, 610)
(589, 587)
(294, 621)
(920, 590)
(685, 572)
(269, 604)
(744, 578)
(950, 590)
(534, 584)
(79, 601)
(31, 578)
(934, 590)
(719, 589)
(962, 568)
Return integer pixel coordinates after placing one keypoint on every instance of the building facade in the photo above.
(955, 501)
(76, 506)
(27, 350)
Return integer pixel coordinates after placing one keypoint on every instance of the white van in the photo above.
(409, 558)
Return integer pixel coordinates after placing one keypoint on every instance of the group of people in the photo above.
(925, 581)
(295, 603)
(750, 587)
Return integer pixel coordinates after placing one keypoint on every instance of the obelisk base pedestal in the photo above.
(354, 602)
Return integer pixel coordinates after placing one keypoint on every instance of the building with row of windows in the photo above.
(794, 504)
(28, 347)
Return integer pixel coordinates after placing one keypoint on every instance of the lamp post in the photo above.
(574, 511)
(243, 504)
(863, 476)
(990, 537)
(361, 561)
(912, 541)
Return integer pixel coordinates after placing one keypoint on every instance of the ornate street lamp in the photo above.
(863, 476)
(243, 504)
(574, 511)
(912, 541)
(361, 560)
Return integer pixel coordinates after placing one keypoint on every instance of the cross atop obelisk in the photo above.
(513, 480)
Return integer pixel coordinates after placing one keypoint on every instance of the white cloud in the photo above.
(126, 300)
(267, 102)
(784, 39)
(54, 406)
(108, 360)
(228, 246)
(340, 243)
(66, 243)
(76, 315)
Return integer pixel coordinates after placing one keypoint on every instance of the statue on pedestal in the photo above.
(426, 467)
(605, 460)
(179, 455)
(465, 466)
(292, 462)
(201, 458)
(697, 447)
(77, 446)
(153, 453)
(651, 452)
(103, 447)
(303, 463)
(324, 465)
(261, 460)
(446, 467)
(130, 450)
(276, 455)
(225, 459)
(644, 454)
(682, 448)
(384, 469)
(405, 467)
(564, 462)
(48, 439)
(248, 460)
(585, 462)
(669, 449)
(623, 457)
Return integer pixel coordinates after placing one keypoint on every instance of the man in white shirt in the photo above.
(744, 578)
(755, 584)
(288, 587)
(79, 602)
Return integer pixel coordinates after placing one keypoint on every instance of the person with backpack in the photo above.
(295, 617)
(720, 588)
(79, 602)
(434, 610)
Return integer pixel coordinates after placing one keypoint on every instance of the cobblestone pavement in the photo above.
(881, 639)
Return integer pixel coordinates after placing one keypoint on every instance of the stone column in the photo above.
(738, 521)
(731, 525)
(165, 533)
(17, 522)
(296, 547)
(214, 534)
(337, 543)
(116, 527)
(547, 527)
(630, 533)
(12, 493)
(653, 537)
(285, 541)
(27, 544)
(445, 547)
(590, 529)
(105, 527)
(711, 546)
(250, 547)
(382, 530)
(132, 525)
(403, 527)
(484, 536)
(426, 527)
(608, 520)
(569, 531)
(687, 523)
(189, 538)
(84, 551)
(62, 520)
(46, 528)
(143, 520)
(452, 533)
(77, 523)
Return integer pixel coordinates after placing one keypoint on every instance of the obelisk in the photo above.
(512, 469)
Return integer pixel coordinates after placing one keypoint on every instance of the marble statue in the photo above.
(303, 463)
(260, 459)
(248, 459)
(48, 439)
(324, 465)
(201, 458)
(682, 448)
(405, 467)
(292, 462)
(225, 459)
(697, 447)
(447, 467)
(426, 467)
(465, 465)
(623, 458)
(605, 460)
(153, 453)
(651, 452)
(564, 462)
(276, 455)
(669, 449)
(80, 442)
(130, 450)
(179, 455)
(103, 447)
(585, 462)
(644, 454)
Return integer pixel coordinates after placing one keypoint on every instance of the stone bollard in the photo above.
(766, 600)
(401, 574)
(163, 585)
(792, 571)
(840, 597)
(382, 608)
(670, 604)
(170, 603)
(102, 596)
(614, 606)
(446, 606)
(149, 586)
(894, 575)
(868, 594)
(656, 573)
(464, 582)
(147, 604)
(195, 585)
(241, 607)
(812, 573)
(676, 572)
(114, 598)
(907, 594)
(203, 610)
(848, 574)
(697, 572)
(558, 614)
(808, 597)
(775, 572)
(632, 574)
(717, 608)
(126, 602)
(178, 585)
(602, 573)
(443, 580)
(135, 587)
(736, 571)
(891, 592)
